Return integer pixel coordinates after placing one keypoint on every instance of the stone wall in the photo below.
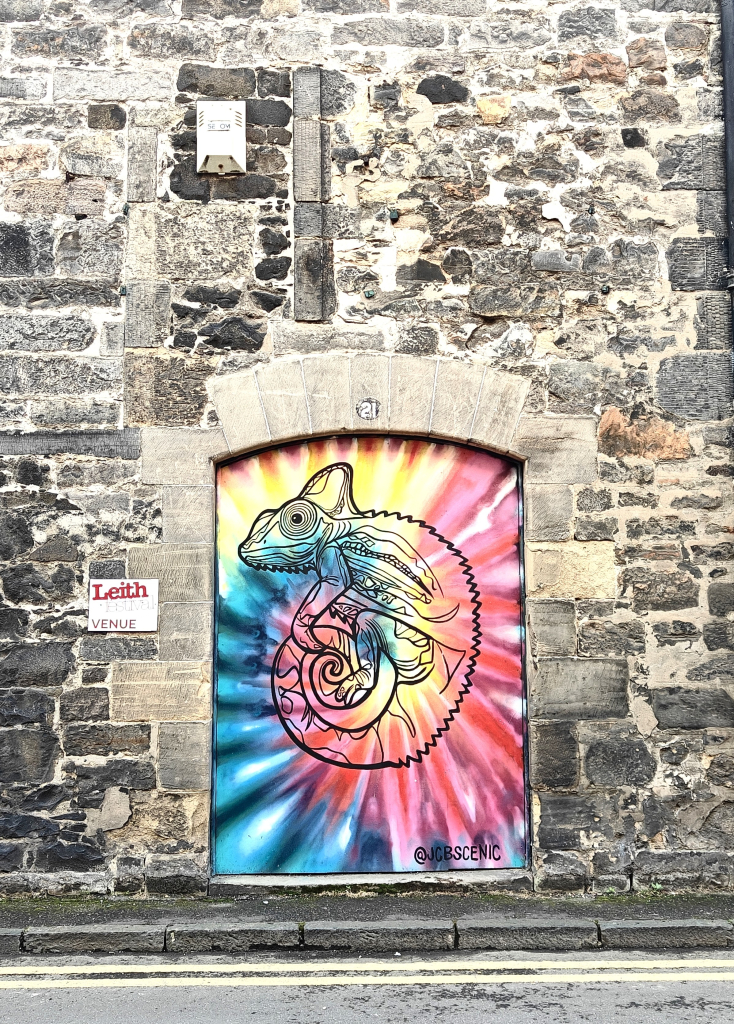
(501, 223)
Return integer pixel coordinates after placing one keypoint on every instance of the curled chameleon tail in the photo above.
(381, 649)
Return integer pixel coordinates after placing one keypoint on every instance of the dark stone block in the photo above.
(561, 872)
(26, 584)
(697, 386)
(26, 826)
(214, 295)
(40, 293)
(314, 296)
(721, 770)
(232, 83)
(720, 670)
(235, 332)
(718, 635)
(713, 321)
(337, 93)
(102, 444)
(702, 501)
(273, 242)
(692, 162)
(634, 138)
(106, 115)
(110, 570)
(588, 500)
(649, 105)
(554, 760)
(175, 877)
(442, 89)
(386, 96)
(458, 265)
(25, 251)
(721, 598)
(273, 83)
(118, 648)
(27, 755)
(267, 300)
(563, 817)
(30, 473)
(569, 689)
(660, 591)
(93, 780)
(697, 264)
(275, 269)
(13, 623)
(11, 857)
(711, 213)
(723, 552)
(660, 526)
(60, 856)
(85, 704)
(676, 708)
(619, 760)
(15, 536)
(187, 184)
(595, 529)
(421, 272)
(45, 798)
(594, 22)
(275, 113)
(22, 707)
(42, 664)
(220, 8)
(105, 739)
(419, 339)
(669, 633)
(600, 639)
(244, 186)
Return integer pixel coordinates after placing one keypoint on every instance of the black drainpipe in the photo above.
(727, 60)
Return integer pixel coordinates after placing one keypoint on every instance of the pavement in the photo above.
(364, 921)
(319, 988)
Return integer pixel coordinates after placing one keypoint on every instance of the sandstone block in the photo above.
(494, 109)
(327, 392)
(568, 689)
(283, 396)
(696, 386)
(411, 384)
(203, 244)
(175, 457)
(116, 86)
(455, 398)
(575, 569)
(558, 449)
(185, 631)
(552, 628)
(554, 756)
(498, 409)
(160, 691)
(184, 570)
(188, 515)
(239, 407)
(548, 512)
(183, 755)
(142, 165)
(147, 313)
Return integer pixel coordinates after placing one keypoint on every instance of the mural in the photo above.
(369, 691)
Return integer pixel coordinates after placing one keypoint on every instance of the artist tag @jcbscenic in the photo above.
(123, 606)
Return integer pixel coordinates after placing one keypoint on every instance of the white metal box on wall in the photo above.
(221, 144)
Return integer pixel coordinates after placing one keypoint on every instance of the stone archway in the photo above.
(295, 398)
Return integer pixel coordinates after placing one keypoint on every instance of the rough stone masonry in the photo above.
(526, 188)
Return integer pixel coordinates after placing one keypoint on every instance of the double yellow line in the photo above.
(362, 972)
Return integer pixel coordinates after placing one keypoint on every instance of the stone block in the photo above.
(313, 272)
(58, 375)
(25, 88)
(203, 243)
(327, 392)
(114, 86)
(21, 10)
(108, 116)
(27, 756)
(160, 691)
(142, 165)
(661, 591)
(283, 395)
(293, 337)
(183, 755)
(697, 264)
(24, 706)
(676, 708)
(184, 571)
(568, 820)
(500, 403)
(553, 933)
(40, 664)
(574, 569)
(180, 457)
(239, 407)
(164, 388)
(692, 162)
(84, 704)
(380, 936)
(683, 869)
(711, 212)
(105, 937)
(562, 871)
(665, 935)
(411, 387)
(697, 386)
(234, 937)
(548, 512)
(307, 92)
(552, 628)
(104, 738)
(174, 876)
(147, 313)
(554, 756)
(102, 444)
(229, 83)
(113, 648)
(558, 449)
(46, 293)
(307, 161)
(618, 758)
(308, 219)
(567, 689)
(524, 300)
(185, 631)
(112, 338)
(386, 31)
(10, 941)
(188, 515)
(455, 398)
(713, 321)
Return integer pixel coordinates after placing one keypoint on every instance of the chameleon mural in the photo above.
(369, 693)
(381, 649)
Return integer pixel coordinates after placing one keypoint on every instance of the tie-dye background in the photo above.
(277, 808)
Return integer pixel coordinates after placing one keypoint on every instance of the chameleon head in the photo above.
(285, 539)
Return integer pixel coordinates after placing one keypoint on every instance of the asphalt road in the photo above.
(564, 988)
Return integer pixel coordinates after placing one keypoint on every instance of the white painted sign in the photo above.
(123, 606)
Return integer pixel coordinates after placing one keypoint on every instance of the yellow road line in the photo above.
(365, 965)
(338, 980)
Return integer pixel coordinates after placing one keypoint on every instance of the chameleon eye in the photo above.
(298, 519)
